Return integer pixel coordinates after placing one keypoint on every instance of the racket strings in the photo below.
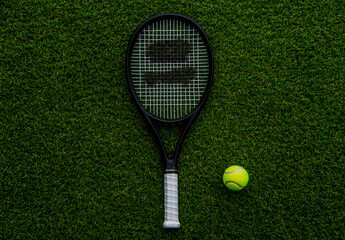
(169, 68)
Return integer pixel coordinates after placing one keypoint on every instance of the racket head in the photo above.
(159, 46)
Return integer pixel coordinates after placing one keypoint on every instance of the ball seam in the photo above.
(233, 171)
(234, 183)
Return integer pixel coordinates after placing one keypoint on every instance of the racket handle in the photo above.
(171, 201)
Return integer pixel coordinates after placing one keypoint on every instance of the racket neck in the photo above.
(170, 165)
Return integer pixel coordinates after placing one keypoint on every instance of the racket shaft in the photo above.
(171, 201)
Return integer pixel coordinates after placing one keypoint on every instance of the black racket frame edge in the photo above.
(170, 163)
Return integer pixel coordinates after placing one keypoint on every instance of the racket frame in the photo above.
(170, 164)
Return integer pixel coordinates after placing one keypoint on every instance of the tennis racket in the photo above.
(169, 69)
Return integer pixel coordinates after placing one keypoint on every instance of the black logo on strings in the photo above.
(169, 51)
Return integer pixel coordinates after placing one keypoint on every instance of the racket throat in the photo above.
(170, 165)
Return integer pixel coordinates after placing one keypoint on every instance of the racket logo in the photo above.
(169, 51)
(166, 52)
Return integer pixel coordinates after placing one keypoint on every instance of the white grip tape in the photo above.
(171, 201)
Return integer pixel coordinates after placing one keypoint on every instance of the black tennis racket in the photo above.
(169, 69)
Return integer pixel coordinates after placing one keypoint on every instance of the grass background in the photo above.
(77, 160)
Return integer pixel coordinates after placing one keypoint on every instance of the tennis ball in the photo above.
(235, 178)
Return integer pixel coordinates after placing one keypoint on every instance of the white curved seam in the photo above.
(233, 171)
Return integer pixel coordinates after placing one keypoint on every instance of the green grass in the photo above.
(77, 161)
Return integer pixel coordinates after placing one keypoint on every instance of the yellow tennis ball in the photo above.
(235, 178)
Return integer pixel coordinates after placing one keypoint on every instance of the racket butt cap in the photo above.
(171, 224)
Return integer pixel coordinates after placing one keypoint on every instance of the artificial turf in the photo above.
(77, 160)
